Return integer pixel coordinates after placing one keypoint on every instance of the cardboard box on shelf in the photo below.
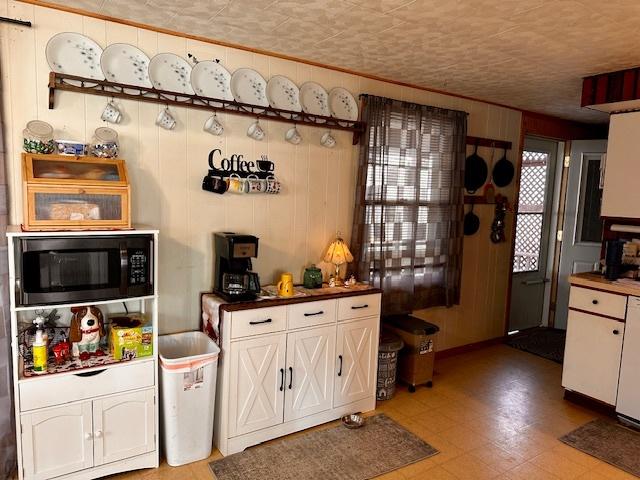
(130, 336)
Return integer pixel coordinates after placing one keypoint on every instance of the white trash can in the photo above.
(189, 367)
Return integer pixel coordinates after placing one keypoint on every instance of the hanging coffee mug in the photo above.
(255, 131)
(236, 184)
(272, 185)
(214, 184)
(213, 126)
(285, 285)
(165, 120)
(254, 184)
(293, 136)
(111, 113)
(327, 140)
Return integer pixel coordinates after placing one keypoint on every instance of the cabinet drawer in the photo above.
(595, 301)
(258, 320)
(359, 306)
(51, 390)
(312, 313)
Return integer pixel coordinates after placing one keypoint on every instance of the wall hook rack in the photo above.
(72, 83)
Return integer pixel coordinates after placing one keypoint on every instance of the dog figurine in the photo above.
(87, 328)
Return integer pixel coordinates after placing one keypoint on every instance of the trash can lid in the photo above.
(411, 324)
(389, 342)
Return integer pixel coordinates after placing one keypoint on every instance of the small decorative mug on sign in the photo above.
(255, 185)
(236, 184)
(272, 185)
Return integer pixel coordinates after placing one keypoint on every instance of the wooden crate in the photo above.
(75, 193)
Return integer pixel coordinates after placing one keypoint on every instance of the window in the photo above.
(408, 224)
(530, 213)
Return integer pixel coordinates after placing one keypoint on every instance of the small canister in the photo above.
(312, 277)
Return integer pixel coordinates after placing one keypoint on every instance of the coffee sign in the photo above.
(238, 166)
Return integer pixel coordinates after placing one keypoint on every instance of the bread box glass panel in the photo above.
(79, 170)
(76, 207)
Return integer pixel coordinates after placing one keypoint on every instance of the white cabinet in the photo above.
(123, 426)
(620, 196)
(310, 372)
(592, 355)
(357, 349)
(57, 441)
(283, 377)
(257, 383)
(61, 440)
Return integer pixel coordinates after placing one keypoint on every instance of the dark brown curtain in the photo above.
(407, 228)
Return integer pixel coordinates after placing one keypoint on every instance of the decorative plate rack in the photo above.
(71, 83)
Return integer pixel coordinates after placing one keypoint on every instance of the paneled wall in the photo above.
(167, 169)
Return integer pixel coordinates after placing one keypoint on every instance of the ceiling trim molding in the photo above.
(122, 21)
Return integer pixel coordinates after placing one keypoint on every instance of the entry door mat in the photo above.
(544, 342)
(609, 442)
(337, 453)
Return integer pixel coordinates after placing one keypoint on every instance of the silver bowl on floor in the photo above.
(353, 421)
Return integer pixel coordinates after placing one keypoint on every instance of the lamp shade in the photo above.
(338, 253)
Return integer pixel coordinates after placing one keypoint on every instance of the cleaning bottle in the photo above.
(39, 349)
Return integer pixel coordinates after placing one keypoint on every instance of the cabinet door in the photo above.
(356, 355)
(57, 441)
(592, 356)
(256, 396)
(310, 370)
(123, 426)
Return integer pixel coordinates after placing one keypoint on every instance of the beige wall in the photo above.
(167, 169)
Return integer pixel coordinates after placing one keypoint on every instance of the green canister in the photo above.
(312, 277)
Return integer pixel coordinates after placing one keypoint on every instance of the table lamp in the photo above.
(338, 253)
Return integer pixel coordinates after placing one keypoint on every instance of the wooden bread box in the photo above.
(63, 192)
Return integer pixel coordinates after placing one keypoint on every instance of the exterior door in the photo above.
(582, 229)
(310, 361)
(57, 441)
(533, 218)
(124, 426)
(356, 353)
(592, 356)
(256, 397)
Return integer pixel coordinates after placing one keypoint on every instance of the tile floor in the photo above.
(492, 413)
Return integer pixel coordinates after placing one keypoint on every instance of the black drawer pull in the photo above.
(312, 314)
(616, 332)
(356, 307)
(258, 322)
(595, 302)
(281, 379)
(340, 370)
(90, 374)
(290, 377)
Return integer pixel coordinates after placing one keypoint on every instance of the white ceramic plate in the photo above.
(314, 99)
(210, 79)
(248, 86)
(74, 54)
(170, 72)
(342, 104)
(124, 63)
(282, 93)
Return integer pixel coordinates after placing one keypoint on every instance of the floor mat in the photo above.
(337, 453)
(544, 342)
(608, 441)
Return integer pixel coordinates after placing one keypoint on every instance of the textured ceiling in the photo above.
(530, 54)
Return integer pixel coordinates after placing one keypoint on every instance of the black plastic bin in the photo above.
(415, 363)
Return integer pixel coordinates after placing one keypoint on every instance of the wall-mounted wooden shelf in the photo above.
(488, 142)
(71, 83)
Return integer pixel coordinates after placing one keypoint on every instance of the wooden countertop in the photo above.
(598, 282)
(325, 293)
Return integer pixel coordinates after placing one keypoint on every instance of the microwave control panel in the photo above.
(138, 267)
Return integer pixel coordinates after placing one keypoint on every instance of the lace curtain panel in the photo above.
(408, 223)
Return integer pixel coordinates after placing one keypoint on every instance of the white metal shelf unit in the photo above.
(86, 398)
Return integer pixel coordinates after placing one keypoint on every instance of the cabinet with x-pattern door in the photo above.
(291, 367)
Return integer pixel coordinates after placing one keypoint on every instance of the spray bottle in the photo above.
(39, 347)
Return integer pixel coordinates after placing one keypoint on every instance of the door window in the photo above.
(530, 213)
(589, 228)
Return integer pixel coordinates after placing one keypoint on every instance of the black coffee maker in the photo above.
(235, 282)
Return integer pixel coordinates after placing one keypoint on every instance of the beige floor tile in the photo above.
(497, 458)
(439, 473)
(612, 473)
(469, 467)
(577, 456)
(592, 476)
(529, 471)
(464, 438)
(559, 465)
(418, 470)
